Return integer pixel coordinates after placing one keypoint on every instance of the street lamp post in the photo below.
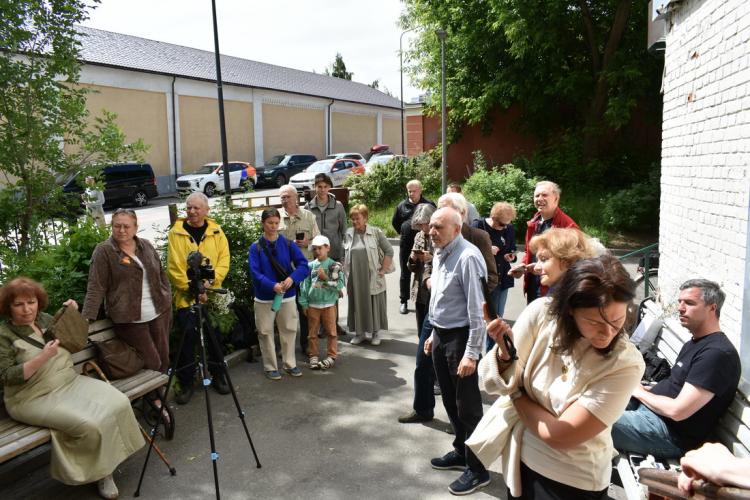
(444, 161)
(222, 126)
(401, 69)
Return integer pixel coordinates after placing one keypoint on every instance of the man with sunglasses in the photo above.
(196, 233)
(546, 201)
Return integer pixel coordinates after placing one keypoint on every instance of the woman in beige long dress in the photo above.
(368, 258)
(92, 424)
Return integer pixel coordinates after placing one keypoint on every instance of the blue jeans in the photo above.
(498, 298)
(640, 430)
(424, 375)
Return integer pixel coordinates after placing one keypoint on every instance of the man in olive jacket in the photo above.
(196, 233)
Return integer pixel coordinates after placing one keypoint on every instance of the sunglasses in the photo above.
(128, 211)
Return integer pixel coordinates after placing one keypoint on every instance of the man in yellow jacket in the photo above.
(196, 233)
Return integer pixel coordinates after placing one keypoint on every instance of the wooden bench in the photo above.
(16, 439)
(733, 429)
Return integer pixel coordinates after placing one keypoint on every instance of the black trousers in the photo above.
(406, 242)
(461, 397)
(188, 325)
(534, 486)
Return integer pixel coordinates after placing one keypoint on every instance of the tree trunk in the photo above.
(595, 125)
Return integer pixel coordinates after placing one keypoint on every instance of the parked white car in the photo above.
(210, 178)
(351, 156)
(382, 158)
(337, 170)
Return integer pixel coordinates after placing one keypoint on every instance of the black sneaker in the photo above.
(469, 482)
(220, 385)
(450, 460)
(184, 395)
(413, 418)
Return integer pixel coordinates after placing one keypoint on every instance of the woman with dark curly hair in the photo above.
(92, 425)
(573, 376)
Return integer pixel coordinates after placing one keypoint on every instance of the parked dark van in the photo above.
(124, 183)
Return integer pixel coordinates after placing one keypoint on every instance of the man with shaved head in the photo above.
(456, 341)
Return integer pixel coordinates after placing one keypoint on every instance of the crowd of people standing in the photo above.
(564, 373)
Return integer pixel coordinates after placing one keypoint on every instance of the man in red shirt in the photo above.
(546, 201)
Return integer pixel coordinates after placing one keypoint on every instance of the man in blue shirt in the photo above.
(456, 342)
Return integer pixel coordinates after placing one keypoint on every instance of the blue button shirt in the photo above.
(456, 299)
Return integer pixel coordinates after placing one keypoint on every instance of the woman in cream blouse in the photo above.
(573, 377)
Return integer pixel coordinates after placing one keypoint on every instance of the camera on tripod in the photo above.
(199, 270)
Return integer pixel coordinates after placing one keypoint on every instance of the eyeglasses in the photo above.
(128, 211)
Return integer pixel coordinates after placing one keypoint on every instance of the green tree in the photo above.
(39, 105)
(575, 66)
(338, 68)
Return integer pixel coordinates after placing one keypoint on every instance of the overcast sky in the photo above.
(300, 34)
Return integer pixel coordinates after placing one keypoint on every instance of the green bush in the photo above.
(386, 182)
(242, 230)
(486, 186)
(635, 208)
(62, 268)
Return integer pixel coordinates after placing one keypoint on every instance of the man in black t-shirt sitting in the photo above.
(679, 413)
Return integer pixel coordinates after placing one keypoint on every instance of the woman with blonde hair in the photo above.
(369, 257)
(557, 249)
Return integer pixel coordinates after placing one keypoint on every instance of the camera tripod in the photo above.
(197, 311)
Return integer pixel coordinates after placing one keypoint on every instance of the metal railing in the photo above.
(647, 254)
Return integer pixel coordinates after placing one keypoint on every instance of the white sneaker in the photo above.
(356, 340)
(375, 339)
(107, 487)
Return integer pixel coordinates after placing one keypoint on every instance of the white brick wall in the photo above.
(705, 179)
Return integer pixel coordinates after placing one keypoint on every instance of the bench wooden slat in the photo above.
(18, 431)
(24, 444)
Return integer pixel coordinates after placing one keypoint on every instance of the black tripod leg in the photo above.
(172, 370)
(206, 382)
(223, 369)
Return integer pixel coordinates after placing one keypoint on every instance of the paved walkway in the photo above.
(327, 435)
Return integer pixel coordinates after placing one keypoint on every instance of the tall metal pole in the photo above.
(401, 69)
(444, 161)
(222, 126)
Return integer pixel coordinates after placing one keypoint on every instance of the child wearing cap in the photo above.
(319, 293)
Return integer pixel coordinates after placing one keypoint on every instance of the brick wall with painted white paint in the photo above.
(705, 179)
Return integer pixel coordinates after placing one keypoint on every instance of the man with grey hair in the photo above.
(456, 343)
(300, 226)
(546, 201)
(679, 412)
(196, 233)
(401, 222)
(473, 235)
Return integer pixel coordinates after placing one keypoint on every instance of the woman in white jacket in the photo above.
(573, 377)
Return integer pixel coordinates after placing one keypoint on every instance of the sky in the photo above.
(300, 34)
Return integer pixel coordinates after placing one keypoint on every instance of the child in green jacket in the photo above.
(318, 296)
